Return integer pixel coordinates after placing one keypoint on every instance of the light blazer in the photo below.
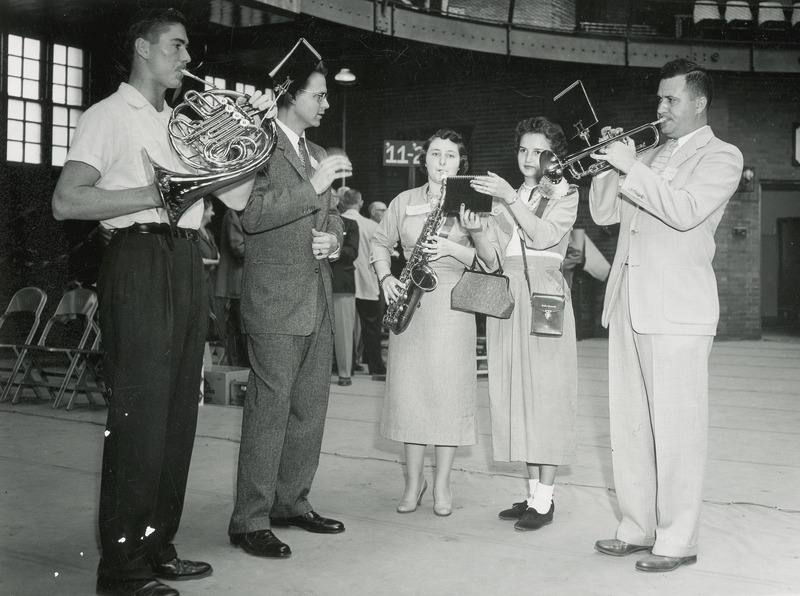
(279, 292)
(667, 224)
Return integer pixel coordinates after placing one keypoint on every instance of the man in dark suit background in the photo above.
(344, 299)
(292, 228)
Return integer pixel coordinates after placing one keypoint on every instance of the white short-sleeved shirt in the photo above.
(112, 136)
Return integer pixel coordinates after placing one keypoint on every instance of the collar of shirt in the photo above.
(135, 99)
(294, 139)
(682, 140)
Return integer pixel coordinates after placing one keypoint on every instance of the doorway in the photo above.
(780, 255)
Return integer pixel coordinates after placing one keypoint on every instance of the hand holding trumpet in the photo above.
(620, 154)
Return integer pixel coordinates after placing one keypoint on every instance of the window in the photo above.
(216, 82)
(24, 143)
(38, 116)
(68, 86)
(245, 88)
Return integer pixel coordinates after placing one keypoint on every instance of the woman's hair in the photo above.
(544, 126)
(448, 135)
(149, 24)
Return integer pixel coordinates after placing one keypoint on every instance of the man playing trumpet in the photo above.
(661, 308)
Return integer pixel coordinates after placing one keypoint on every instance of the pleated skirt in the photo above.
(533, 380)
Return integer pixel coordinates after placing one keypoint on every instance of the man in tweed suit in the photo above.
(291, 229)
(661, 308)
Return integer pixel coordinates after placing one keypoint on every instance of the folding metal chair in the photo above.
(89, 374)
(55, 354)
(18, 326)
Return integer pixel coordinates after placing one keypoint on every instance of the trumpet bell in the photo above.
(551, 167)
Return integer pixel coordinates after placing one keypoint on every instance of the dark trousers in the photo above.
(235, 340)
(153, 318)
(282, 423)
(370, 314)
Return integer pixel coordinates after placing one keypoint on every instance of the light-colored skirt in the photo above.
(533, 380)
(431, 373)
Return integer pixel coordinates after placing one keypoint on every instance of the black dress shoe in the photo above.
(618, 548)
(181, 569)
(136, 587)
(533, 520)
(516, 511)
(310, 522)
(261, 543)
(345, 381)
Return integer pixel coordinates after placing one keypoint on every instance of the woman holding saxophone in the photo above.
(431, 371)
(532, 379)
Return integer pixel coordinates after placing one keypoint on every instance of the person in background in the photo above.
(153, 308)
(344, 299)
(376, 210)
(661, 309)
(229, 286)
(431, 373)
(368, 303)
(533, 380)
(210, 253)
(292, 231)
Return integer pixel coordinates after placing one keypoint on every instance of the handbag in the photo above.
(547, 310)
(482, 292)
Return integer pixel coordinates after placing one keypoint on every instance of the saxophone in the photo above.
(417, 276)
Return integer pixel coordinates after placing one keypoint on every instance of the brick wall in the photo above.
(484, 102)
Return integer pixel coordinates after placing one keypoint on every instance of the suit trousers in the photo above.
(370, 314)
(658, 409)
(153, 317)
(344, 313)
(282, 423)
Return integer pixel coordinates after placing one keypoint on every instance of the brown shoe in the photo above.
(618, 548)
(661, 563)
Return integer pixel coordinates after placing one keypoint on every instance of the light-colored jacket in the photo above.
(667, 224)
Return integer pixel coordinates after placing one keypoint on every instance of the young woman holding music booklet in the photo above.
(532, 378)
(431, 370)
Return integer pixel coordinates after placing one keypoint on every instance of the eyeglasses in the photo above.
(320, 96)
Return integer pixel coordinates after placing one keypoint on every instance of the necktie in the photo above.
(304, 157)
(660, 162)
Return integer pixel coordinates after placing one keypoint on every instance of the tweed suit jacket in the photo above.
(667, 224)
(279, 286)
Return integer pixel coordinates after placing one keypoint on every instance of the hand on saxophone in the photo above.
(437, 247)
(392, 288)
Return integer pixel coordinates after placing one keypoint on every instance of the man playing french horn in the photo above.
(153, 308)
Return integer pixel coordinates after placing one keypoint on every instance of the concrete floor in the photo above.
(750, 542)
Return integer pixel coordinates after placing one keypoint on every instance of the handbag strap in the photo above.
(476, 262)
(538, 213)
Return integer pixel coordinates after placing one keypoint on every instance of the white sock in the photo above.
(542, 498)
(533, 483)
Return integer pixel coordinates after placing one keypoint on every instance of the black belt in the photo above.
(161, 229)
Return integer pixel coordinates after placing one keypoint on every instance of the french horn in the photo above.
(215, 133)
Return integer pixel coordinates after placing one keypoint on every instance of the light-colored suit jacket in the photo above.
(667, 224)
(279, 292)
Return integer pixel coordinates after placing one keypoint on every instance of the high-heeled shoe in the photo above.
(442, 508)
(411, 507)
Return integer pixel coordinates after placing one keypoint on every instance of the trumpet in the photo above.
(553, 168)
